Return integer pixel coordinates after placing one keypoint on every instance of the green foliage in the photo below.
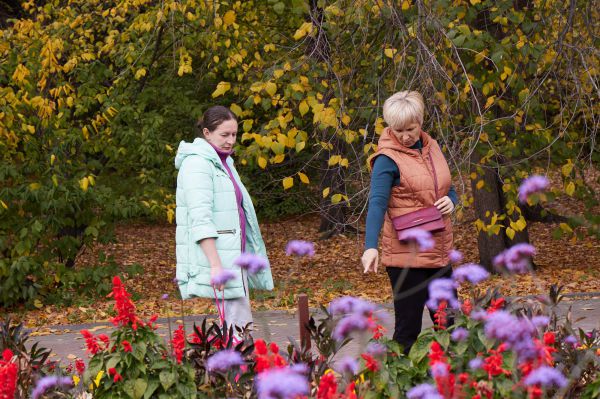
(96, 95)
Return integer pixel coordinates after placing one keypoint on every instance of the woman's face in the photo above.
(409, 134)
(223, 137)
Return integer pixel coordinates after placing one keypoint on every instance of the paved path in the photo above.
(274, 326)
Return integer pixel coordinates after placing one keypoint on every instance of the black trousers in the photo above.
(410, 288)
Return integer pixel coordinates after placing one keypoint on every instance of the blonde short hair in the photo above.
(403, 108)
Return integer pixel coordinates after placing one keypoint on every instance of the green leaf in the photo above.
(167, 378)
(112, 362)
(139, 388)
(419, 350)
(152, 385)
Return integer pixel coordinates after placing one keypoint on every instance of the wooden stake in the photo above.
(303, 320)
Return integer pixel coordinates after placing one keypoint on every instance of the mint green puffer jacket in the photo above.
(206, 207)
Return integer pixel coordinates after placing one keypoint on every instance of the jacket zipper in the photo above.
(232, 231)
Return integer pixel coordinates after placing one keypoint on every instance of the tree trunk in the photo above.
(487, 201)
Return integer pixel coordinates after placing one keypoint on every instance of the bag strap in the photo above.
(435, 182)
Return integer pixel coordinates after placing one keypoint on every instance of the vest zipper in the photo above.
(232, 231)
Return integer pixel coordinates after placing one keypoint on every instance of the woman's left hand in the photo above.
(444, 205)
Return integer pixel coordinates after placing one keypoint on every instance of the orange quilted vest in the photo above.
(416, 191)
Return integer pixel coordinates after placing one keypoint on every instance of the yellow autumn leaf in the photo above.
(222, 88)
(303, 30)
(489, 102)
(38, 304)
(229, 18)
(52, 159)
(84, 183)
(170, 215)
(303, 107)
(479, 184)
(474, 2)
(278, 158)
(389, 52)
(140, 73)
(570, 189)
(510, 233)
(405, 5)
(271, 88)
(86, 134)
(248, 125)
(236, 109)
(34, 186)
(303, 178)
(325, 192)
(568, 168)
(288, 182)
(336, 198)
(300, 146)
(3, 204)
(262, 162)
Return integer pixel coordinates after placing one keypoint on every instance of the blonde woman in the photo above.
(409, 172)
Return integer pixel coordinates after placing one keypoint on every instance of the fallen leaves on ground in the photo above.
(335, 270)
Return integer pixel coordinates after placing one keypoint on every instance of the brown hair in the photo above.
(213, 117)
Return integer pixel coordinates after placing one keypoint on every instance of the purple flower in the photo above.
(50, 382)
(224, 360)
(439, 369)
(420, 237)
(251, 262)
(540, 321)
(442, 289)
(571, 340)
(347, 365)
(223, 277)
(516, 259)
(349, 304)
(349, 324)
(460, 334)
(423, 391)
(476, 363)
(501, 325)
(376, 349)
(164, 297)
(547, 377)
(282, 383)
(479, 315)
(470, 272)
(455, 256)
(300, 248)
(531, 185)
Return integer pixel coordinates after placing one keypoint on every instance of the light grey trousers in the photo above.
(237, 311)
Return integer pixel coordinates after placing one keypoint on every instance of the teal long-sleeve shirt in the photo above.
(384, 176)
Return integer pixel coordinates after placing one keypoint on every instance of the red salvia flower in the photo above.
(467, 307)
(496, 304)
(127, 346)
(8, 375)
(370, 362)
(80, 366)
(327, 387)
(265, 360)
(105, 340)
(112, 371)
(493, 363)
(123, 305)
(440, 316)
(118, 377)
(90, 342)
(178, 343)
(377, 329)
(351, 391)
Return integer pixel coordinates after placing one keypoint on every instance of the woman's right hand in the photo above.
(214, 271)
(370, 260)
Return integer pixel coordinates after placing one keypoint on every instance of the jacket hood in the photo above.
(198, 147)
(388, 140)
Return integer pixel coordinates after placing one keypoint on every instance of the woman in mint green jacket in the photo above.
(216, 221)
